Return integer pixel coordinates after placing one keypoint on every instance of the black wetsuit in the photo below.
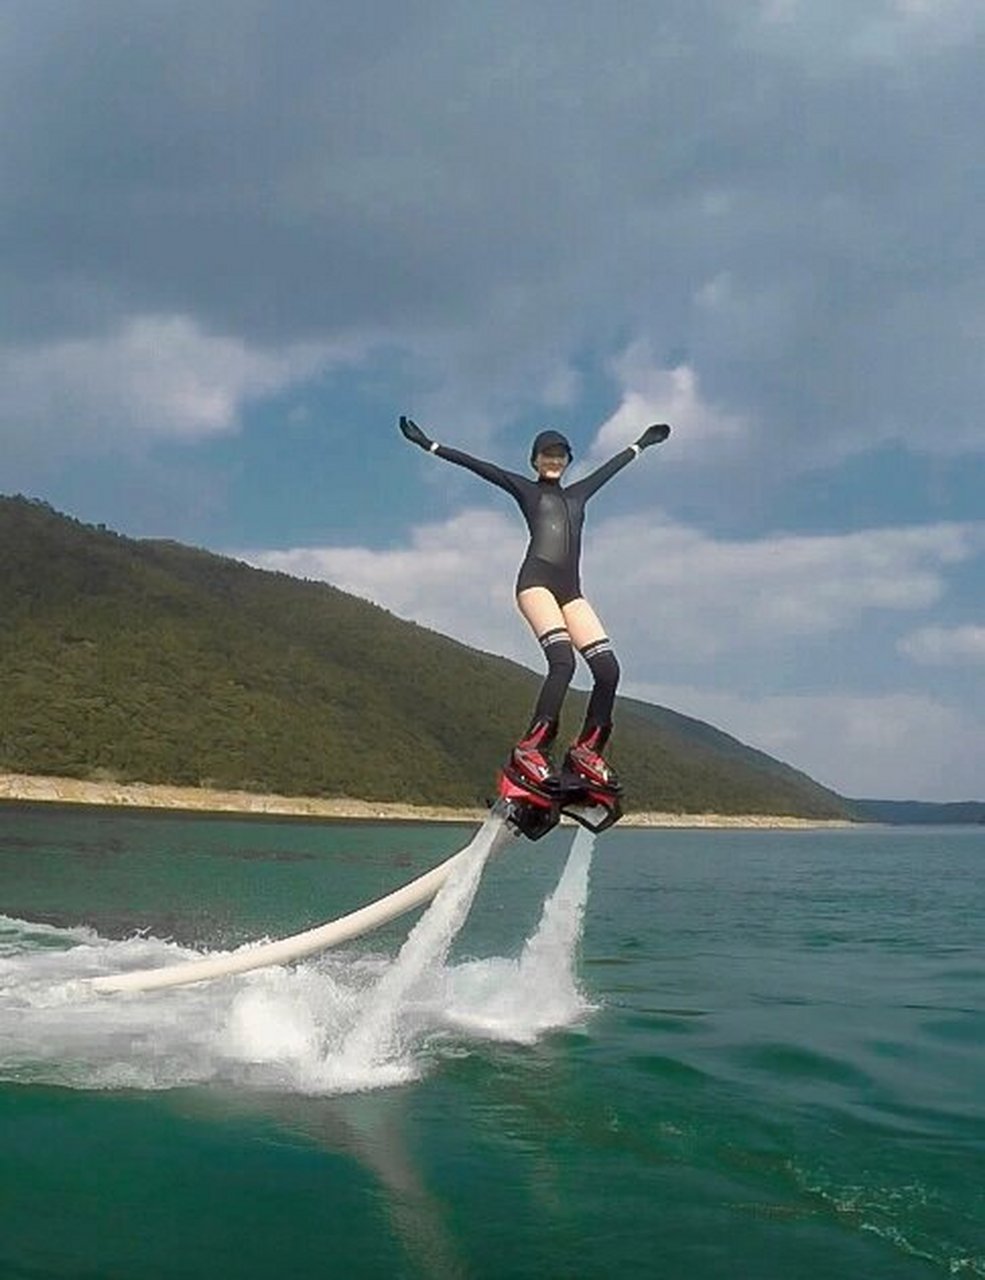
(554, 514)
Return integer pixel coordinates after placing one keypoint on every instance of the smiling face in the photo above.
(551, 464)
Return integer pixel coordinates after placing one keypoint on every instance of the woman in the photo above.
(549, 595)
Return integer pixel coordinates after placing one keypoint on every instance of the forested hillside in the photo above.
(151, 661)
(922, 813)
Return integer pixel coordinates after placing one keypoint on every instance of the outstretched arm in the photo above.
(592, 483)
(487, 470)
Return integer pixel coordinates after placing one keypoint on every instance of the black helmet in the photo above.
(549, 441)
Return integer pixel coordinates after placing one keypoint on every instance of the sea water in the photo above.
(667, 1053)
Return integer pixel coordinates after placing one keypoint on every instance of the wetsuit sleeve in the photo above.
(507, 480)
(592, 483)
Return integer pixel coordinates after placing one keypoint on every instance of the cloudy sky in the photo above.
(240, 237)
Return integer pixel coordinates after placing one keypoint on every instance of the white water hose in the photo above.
(494, 830)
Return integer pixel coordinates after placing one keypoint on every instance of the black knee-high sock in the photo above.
(604, 667)
(560, 668)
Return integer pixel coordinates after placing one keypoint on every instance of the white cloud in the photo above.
(157, 376)
(649, 393)
(704, 597)
(945, 645)
(771, 231)
(778, 10)
(846, 30)
(891, 746)
(455, 577)
(942, 22)
(669, 593)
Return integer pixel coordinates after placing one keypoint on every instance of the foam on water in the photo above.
(345, 1021)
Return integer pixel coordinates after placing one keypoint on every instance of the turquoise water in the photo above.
(680, 1053)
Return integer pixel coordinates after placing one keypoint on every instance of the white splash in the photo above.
(344, 1022)
(377, 1039)
(520, 999)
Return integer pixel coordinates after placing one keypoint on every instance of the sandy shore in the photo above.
(139, 795)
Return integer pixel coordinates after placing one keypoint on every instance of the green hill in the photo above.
(922, 812)
(155, 662)
(725, 765)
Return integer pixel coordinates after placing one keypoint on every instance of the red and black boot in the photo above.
(530, 761)
(584, 759)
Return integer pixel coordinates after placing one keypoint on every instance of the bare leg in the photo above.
(583, 623)
(541, 611)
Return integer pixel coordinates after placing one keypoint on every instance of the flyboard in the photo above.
(521, 809)
(534, 809)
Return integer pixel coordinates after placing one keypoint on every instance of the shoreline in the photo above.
(42, 789)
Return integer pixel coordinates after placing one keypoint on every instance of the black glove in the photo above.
(656, 434)
(414, 433)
